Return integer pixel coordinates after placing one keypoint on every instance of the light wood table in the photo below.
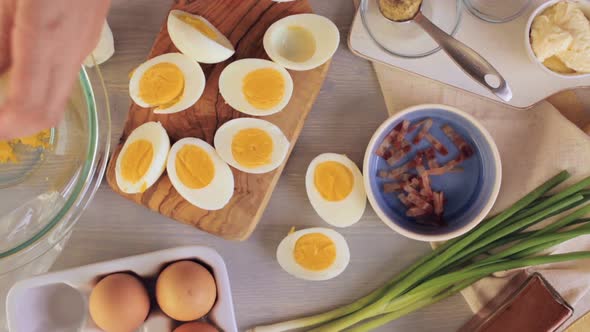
(348, 110)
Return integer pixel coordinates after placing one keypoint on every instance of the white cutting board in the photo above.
(501, 44)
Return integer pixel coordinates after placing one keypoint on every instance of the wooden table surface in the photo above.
(349, 108)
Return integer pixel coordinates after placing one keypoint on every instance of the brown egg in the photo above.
(119, 303)
(196, 327)
(186, 291)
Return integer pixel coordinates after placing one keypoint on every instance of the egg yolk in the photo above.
(333, 180)
(136, 160)
(199, 25)
(252, 147)
(264, 88)
(162, 85)
(315, 252)
(298, 44)
(38, 140)
(6, 153)
(194, 167)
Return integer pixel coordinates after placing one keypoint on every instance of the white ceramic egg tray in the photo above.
(58, 302)
(503, 45)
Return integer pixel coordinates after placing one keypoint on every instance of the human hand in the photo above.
(42, 45)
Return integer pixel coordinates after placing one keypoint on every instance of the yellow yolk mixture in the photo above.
(264, 88)
(38, 140)
(252, 147)
(299, 45)
(199, 25)
(315, 252)
(162, 85)
(194, 167)
(6, 153)
(333, 180)
(137, 160)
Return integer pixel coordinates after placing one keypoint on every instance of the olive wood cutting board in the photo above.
(244, 22)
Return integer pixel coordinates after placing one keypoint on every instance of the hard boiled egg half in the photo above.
(169, 83)
(314, 254)
(143, 158)
(251, 145)
(194, 36)
(255, 86)
(199, 175)
(335, 189)
(301, 42)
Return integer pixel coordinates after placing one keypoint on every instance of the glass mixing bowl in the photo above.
(45, 192)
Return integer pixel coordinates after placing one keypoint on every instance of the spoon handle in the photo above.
(470, 61)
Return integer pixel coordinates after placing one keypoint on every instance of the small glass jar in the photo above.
(497, 11)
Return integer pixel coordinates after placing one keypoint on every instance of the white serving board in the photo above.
(503, 45)
(58, 301)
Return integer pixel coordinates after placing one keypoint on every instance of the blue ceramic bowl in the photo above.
(469, 194)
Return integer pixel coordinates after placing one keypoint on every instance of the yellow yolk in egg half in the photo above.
(264, 88)
(194, 167)
(162, 85)
(137, 160)
(315, 251)
(333, 180)
(199, 25)
(252, 147)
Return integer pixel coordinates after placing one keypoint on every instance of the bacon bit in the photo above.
(419, 161)
(404, 199)
(397, 172)
(403, 131)
(409, 189)
(419, 202)
(465, 149)
(426, 184)
(438, 171)
(415, 212)
(426, 125)
(384, 150)
(391, 187)
(450, 166)
(436, 144)
(430, 154)
(399, 154)
(425, 195)
(405, 177)
(438, 201)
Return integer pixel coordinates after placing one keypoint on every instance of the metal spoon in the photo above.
(465, 57)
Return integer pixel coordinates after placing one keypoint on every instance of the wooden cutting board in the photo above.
(244, 22)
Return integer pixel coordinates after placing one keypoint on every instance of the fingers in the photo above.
(50, 39)
(13, 124)
(7, 9)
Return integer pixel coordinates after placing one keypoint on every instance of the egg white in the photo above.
(286, 258)
(216, 194)
(195, 44)
(231, 80)
(342, 213)
(157, 136)
(324, 32)
(194, 82)
(225, 134)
